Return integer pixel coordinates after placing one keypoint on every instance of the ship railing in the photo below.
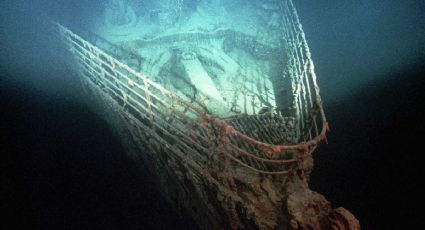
(266, 143)
(300, 69)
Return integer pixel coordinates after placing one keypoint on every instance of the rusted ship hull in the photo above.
(238, 172)
(223, 199)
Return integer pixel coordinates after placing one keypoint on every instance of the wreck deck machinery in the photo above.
(226, 120)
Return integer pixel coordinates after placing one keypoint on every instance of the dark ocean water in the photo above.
(62, 166)
(372, 164)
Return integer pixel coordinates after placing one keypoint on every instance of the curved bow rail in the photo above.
(263, 143)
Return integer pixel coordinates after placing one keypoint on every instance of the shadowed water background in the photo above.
(64, 168)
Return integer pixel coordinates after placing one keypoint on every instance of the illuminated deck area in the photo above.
(222, 102)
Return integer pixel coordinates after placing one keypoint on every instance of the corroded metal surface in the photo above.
(242, 171)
